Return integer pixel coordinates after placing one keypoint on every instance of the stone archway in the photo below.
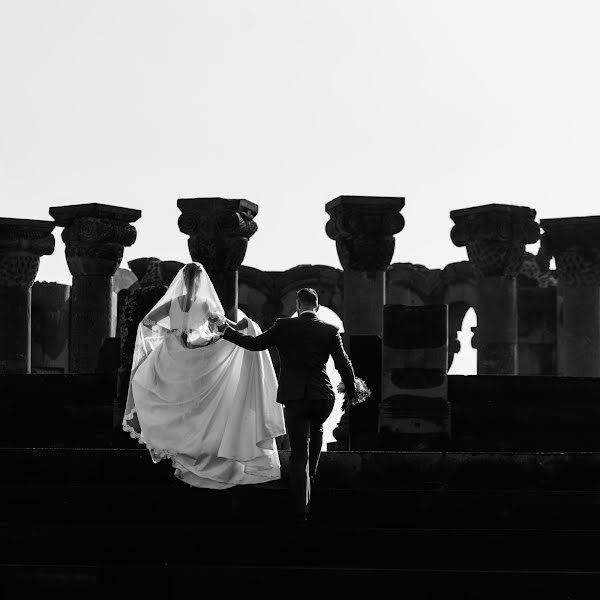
(266, 295)
(417, 285)
(327, 281)
(460, 294)
(258, 296)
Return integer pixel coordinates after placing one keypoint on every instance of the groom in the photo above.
(305, 344)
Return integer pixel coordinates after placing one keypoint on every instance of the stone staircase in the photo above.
(89, 523)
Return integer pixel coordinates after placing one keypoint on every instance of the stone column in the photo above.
(22, 243)
(495, 236)
(219, 231)
(414, 413)
(95, 236)
(50, 327)
(575, 244)
(537, 331)
(363, 228)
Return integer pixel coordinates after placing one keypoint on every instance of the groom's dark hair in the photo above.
(307, 297)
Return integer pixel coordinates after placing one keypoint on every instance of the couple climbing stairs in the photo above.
(92, 522)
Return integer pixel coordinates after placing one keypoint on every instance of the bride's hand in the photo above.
(242, 324)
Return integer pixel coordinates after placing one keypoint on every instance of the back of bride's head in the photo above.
(191, 273)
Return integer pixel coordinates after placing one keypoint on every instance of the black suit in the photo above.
(305, 344)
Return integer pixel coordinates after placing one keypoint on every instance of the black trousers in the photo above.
(304, 420)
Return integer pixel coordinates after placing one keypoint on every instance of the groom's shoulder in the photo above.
(329, 326)
(283, 321)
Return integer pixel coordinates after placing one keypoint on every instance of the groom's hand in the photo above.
(221, 327)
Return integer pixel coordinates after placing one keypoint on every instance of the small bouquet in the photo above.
(361, 394)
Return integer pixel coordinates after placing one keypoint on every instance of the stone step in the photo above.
(278, 544)
(343, 470)
(369, 508)
(109, 580)
(494, 413)
(57, 409)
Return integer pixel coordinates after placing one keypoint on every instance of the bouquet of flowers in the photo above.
(361, 394)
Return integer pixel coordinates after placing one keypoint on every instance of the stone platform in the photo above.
(487, 413)
(87, 522)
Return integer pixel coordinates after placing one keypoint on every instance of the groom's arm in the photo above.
(343, 365)
(249, 342)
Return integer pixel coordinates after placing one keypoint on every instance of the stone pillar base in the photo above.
(15, 328)
(414, 412)
(497, 326)
(581, 332)
(91, 320)
(226, 286)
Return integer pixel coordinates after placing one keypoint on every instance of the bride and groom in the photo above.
(203, 391)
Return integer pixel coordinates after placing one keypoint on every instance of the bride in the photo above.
(200, 400)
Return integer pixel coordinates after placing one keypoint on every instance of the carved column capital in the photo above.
(22, 242)
(363, 228)
(95, 236)
(575, 245)
(495, 236)
(219, 230)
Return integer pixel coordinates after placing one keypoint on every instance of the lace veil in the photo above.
(196, 326)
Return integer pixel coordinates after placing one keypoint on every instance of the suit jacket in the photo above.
(305, 344)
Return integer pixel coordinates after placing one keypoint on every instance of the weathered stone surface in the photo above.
(137, 305)
(360, 422)
(537, 313)
(259, 295)
(219, 231)
(363, 228)
(495, 236)
(95, 236)
(525, 413)
(417, 285)
(535, 272)
(22, 242)
(575, 244)
(154, 271)
(50, 327)
(267, 295)
(414, 412)
(327, 281)
(54, 410)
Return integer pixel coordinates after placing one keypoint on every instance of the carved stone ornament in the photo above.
(136, 306)
(535, 272)
(95, 246)
(495, 236)
(363, 229)
(575, 245)
(95, 235)
(578, 265)
(22, 242)
(219, 230)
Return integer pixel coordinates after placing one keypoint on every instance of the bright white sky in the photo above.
(449, 103)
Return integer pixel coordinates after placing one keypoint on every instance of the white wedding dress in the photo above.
(211, 408)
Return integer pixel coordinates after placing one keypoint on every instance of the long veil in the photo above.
(200, 400)
(199, 325)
